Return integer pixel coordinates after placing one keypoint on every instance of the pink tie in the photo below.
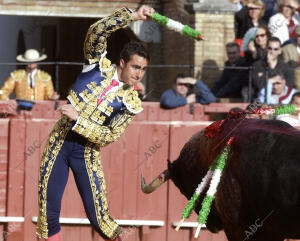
(113, 84)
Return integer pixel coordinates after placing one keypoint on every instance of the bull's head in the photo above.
(187, 172)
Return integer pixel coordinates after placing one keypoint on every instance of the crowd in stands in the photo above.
(267, 43)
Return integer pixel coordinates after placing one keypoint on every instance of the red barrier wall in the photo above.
(4, 133)
(144, 149)
(152, 111)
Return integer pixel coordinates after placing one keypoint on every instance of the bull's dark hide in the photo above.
(259, 194)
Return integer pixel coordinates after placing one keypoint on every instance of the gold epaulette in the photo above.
(132, 101)
(105, 65)
(44, 75)
(18, 74)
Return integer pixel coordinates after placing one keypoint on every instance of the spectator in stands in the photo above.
(249, 16)
(296, 100)
(255, 47)
(270, 9)
(277, 92)
(185, 91)
(283, 24)
(293, 119)
(291, 52)
(271, 64)
(30, 83)
(232, 80)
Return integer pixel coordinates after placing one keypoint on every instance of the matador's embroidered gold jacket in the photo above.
(103, 123)
(18, 82)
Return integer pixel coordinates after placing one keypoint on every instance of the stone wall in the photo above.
(174, 49)
(62, 8)
(210, 55)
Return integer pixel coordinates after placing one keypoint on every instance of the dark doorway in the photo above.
(72, 33)
(49, 46)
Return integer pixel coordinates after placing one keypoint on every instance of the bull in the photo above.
(258, 197)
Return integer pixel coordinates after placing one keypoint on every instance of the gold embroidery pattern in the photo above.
(18, 83)
(132, 101)
(94, 167)
(54, 144)
(106, 64)
(95, 42)
(103, 135)
(109, 98)
(74, 100)
(96, 90)
(87, 108)
(43, 75)
(18, 74)
(91, 116)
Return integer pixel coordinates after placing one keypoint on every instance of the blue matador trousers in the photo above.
(66, 149)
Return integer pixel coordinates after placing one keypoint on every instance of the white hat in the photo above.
(31, 55)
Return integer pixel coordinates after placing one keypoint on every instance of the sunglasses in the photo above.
(275, 49)
(182, 84)
(254, 8)
(261, 35)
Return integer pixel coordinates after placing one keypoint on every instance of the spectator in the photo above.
(182, 93)
(292, 119)
(270, 9)
(232, 80)
(283, 24)
(249, 16)
(31, 83)
(255, 46)
(271, 63)
(296, 100)
(291, 52)
(277, 92)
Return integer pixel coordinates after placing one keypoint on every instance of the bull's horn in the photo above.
(162, 178)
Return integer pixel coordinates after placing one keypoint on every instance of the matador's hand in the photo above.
(143, 13)
(69, 111)
(55, 96)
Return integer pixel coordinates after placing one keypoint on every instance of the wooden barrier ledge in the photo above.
(152, 111)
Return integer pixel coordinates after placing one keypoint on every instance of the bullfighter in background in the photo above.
(30, 83)
(101, 105)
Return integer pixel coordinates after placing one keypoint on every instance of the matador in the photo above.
(100, 106)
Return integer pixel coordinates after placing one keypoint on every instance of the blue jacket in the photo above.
(170, 98)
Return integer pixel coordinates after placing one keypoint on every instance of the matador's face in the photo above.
(30, 67)
(134, 70)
